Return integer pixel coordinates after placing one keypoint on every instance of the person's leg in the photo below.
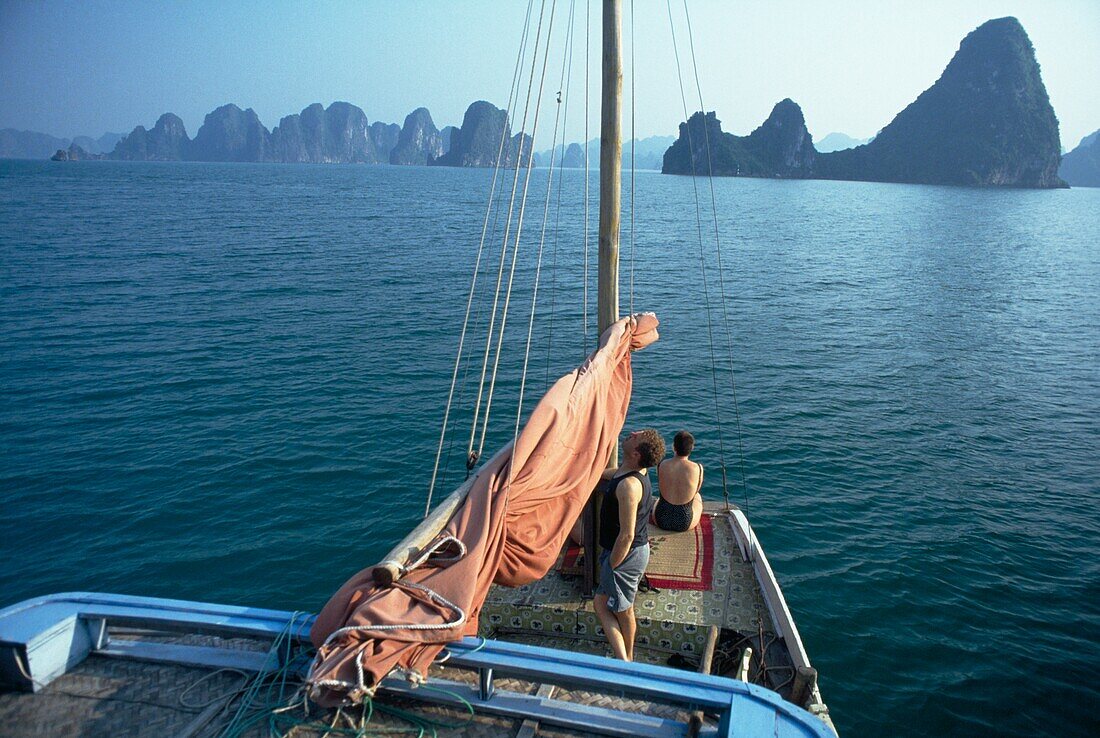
(628, 626)
(576, 533)
(696, 511)
(611, 627)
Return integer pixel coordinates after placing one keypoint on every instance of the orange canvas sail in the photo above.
(509, 530)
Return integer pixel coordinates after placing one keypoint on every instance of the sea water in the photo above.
(227, 383)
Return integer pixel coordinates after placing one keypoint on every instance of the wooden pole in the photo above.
(611, 177)
(695, 723)
(392, 567)
(611, 158)
(805, 681)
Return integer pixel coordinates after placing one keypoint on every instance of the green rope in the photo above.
(270, 697)
(282, 724)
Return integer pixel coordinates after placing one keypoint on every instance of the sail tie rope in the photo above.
(360, 688)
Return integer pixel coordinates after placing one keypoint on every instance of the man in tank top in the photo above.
(624, 540)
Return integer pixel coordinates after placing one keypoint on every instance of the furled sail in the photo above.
(509, 530)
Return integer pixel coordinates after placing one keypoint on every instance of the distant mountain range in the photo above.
(1081, 167)
(339, 134)
(648, 154)
(33, 145)
(986, 121)
(838, 142)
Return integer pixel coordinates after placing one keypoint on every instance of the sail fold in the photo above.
(508, 531)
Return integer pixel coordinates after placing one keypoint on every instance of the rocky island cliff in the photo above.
(75, 152)
(780, 147)
(477, 141)
(419, 141)
(338, 134)
(167, 141)
(1081, 167)
(987, 121)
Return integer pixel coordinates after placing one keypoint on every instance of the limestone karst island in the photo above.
(987, 121)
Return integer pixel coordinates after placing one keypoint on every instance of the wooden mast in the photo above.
(611, 177)
(611, 157)
(607, 308)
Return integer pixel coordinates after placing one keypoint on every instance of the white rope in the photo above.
(542, 243)
(633, 163)
(473, 456)
(587, 176)
(519, 225)
(721, 271)
(433, 596)
(702, 255)
(477, 266)
(359, 688)
(561, 179)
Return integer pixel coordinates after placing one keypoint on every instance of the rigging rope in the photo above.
(587, 94)
(633, 164)
(721, 271)
(471, 459)
(473, 455)
(519, 230)
(477, 264)
(567, 85)
(542, 242)
(702, 259)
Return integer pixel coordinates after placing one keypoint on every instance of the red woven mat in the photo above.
(676, 560)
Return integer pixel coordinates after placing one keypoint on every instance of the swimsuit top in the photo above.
(698, 487)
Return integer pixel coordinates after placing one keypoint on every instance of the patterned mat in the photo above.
(676, 561)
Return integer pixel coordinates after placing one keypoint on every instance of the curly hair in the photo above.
(651, 447)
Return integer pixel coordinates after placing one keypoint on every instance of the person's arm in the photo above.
(700, 487)
(630, 496)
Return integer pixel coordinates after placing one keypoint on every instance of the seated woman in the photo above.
(679, 480)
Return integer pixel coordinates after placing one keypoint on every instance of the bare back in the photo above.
(679, 479)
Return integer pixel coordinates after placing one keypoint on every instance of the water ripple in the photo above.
(226, 383)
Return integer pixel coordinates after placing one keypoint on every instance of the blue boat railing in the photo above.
(42, 638)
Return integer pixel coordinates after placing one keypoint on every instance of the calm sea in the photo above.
(226, 383)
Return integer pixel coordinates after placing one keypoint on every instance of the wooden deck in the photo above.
(670, 621)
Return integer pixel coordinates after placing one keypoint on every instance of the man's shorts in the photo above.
(621, 583)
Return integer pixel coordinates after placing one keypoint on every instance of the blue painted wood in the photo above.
(47, 636)
(201, 656)
(748, 720)
(485, 683)
(545, 710)
(153, 611)
(57, 632)
(609, 678)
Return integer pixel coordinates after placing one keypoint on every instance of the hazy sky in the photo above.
(88, 67)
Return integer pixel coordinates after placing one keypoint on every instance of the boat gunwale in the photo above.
(659, 684)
